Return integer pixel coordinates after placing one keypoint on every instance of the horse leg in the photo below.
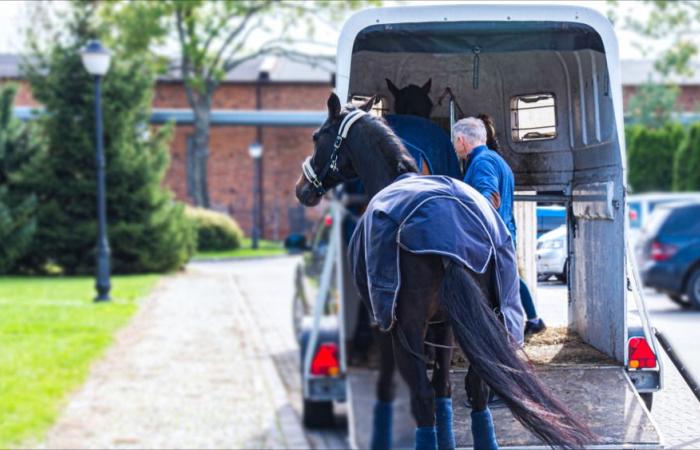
(384, 407)
(483, 432)
(442, 333)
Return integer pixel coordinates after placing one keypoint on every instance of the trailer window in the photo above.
(533, 117)
(379, 109)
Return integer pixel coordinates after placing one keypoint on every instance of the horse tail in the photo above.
(494, 357)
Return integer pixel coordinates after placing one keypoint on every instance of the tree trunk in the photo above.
(198, 170)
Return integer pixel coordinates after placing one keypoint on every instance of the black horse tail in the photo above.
(494, 357)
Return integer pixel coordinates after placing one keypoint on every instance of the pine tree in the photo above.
(148, 231)
(686, 176)
(20, 149)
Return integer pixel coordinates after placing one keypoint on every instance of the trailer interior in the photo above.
(547, 84)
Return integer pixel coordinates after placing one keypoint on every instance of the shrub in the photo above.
(215, 230)
(686, 176)
(20, 150)
(650, 156)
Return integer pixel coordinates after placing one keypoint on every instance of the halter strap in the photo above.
(332, 164)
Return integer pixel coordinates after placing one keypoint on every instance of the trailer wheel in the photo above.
(694, 289)
(648, 398)
(318, 414)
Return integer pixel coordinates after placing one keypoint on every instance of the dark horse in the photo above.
(434, 291)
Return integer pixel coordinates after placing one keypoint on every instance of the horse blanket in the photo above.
(436, 215)
(426, 141)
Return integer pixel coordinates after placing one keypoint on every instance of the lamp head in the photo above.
(96, 58)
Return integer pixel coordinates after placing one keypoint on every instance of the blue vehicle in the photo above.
(550, 218)
(669, 252)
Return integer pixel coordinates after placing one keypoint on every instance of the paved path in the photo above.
(196, 368)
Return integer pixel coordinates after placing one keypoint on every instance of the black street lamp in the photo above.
(256, 150)
(96, 60)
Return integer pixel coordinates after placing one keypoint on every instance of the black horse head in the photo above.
(371, 152)
(412, 99)
(324, 139)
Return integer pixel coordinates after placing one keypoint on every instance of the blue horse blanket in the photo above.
(437, 215)
(426, 142)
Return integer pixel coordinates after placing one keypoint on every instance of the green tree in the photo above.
(675, 21)
(650, 156)
(215, 37)
(653, 104)
(686, 173)
(148, 231)
(20, 149)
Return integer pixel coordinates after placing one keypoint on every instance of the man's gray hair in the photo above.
(472, 129)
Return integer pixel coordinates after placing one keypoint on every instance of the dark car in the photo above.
(669, 252)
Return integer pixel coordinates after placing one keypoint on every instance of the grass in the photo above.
(265, 248)
(50, 332)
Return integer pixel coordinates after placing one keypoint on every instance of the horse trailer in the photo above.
(550, 77)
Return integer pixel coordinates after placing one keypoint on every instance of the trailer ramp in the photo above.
(603, 396)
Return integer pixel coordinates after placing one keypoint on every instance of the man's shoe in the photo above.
(534, 326)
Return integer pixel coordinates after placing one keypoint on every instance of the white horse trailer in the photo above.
(550, 77)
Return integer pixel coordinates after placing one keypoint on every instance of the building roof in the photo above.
(638, 71)
(279, 69)
(284, 69)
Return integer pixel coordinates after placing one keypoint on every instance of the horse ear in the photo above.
(426, 86)
(366, 106)
(393, 89)
(333, 106)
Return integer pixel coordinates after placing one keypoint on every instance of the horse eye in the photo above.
(315, 136)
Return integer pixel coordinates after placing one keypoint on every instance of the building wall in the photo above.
(230, 168)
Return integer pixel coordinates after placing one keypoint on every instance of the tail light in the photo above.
(326, 360)
(662, 252)
(641, 356)
(328, 220)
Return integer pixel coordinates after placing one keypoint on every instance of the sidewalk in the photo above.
(194, 369)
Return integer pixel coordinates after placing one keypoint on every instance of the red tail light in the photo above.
(326, 360)
(328, 220)
(662, 252)
(641, 356)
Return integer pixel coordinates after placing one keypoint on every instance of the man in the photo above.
(489, 173)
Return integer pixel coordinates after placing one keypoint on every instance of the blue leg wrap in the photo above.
(382, 425)
(443, 423)
(426, 438)
(482, 430)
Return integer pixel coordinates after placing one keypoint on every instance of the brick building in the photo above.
(292, 103)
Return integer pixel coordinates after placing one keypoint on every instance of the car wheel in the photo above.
(693, 289)
(562, 277)
(318, 414)
(679, 300)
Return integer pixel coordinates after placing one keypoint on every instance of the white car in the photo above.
(552, 254)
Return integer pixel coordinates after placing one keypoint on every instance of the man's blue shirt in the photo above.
(489, 173)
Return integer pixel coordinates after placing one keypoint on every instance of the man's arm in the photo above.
(485, 180)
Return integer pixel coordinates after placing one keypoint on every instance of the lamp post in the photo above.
(96, 59)
(256, 150)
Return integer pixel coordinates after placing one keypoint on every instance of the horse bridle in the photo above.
(332, 163)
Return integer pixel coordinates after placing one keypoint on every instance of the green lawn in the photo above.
(265, 248)
(50, 332)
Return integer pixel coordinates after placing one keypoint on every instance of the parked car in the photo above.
(640, 207)
(552, 255)
(549, 218)
(668, 252)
